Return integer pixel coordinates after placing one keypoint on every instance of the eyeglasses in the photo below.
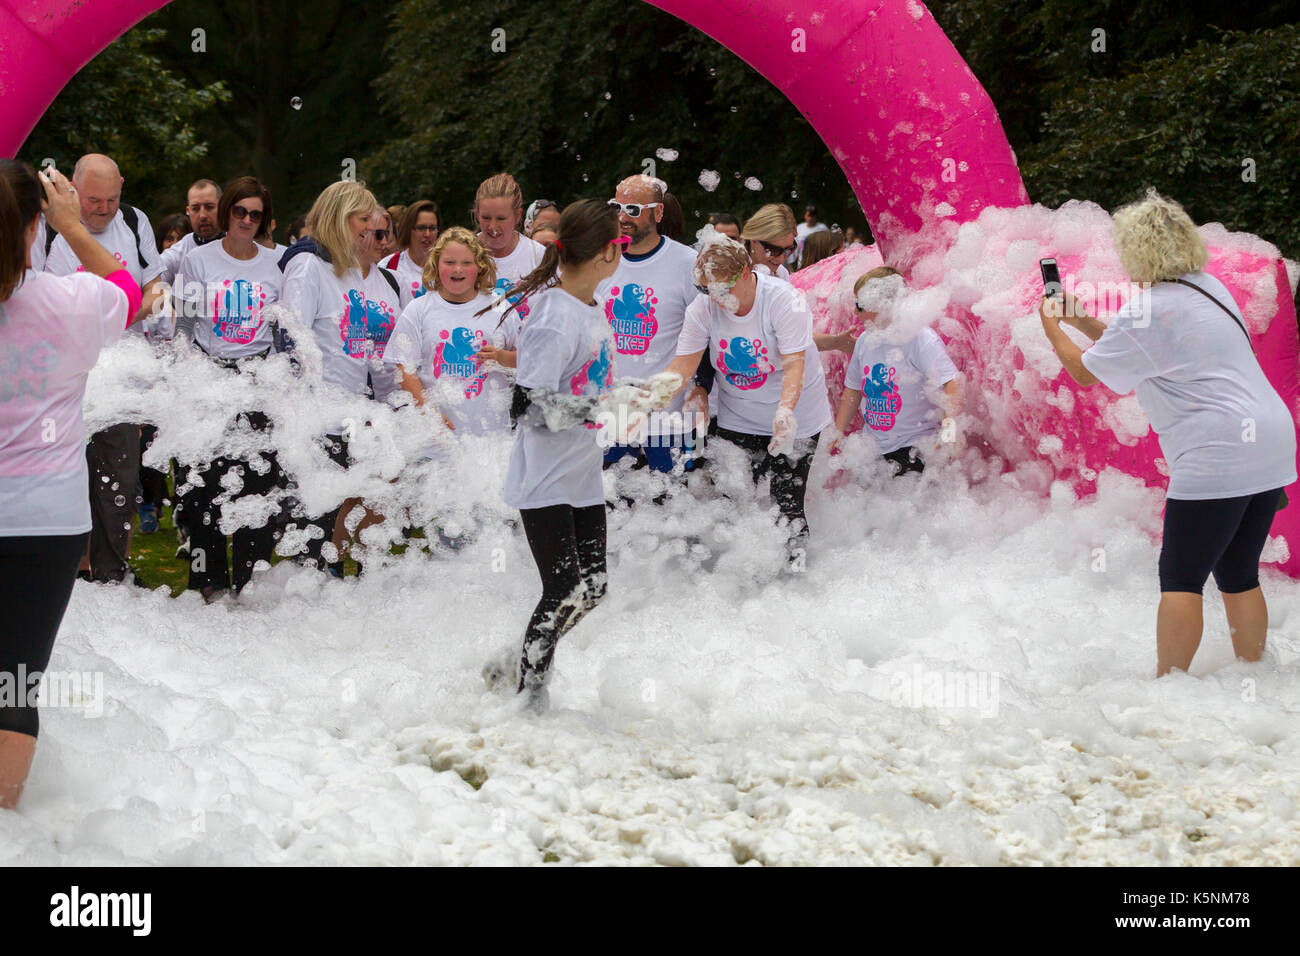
(252, 215)
(380, 234)
(777, 251)
(432, 229)
(633, 209)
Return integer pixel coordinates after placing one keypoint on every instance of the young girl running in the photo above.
(498, 210)
(450, 349)
(566, 369)
(52, 329)
(894, 383)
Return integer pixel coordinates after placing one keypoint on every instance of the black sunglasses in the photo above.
(774, 250)
(253, 215)
(380, 234)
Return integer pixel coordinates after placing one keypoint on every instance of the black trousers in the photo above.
(1223, 536)
(568, 545)
(113, 457)
(208, 564)
(905, 461)
(153, 483)
(789, 474)
(36, 578)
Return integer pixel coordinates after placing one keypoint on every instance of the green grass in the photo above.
(153, 556)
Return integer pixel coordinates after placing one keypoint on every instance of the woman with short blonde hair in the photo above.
(770, 238)
(1181, 344)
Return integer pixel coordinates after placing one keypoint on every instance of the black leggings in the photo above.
(568, 545)
(789, 475)
(208, 566)
(336, 447)
(1223, 535)
(36, 578)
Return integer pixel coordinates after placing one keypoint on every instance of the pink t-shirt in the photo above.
(51, 331)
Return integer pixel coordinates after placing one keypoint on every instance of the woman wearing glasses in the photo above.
(566, 369)
(415, 237)
(235, 280)
(498, 210)
(772, 395)
(769, 237)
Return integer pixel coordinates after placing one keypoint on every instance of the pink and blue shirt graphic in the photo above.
(630, 310)
(456, 356)
(518, 301)
(881, 400)
(744, 362)
(237, 310)
(365, 326)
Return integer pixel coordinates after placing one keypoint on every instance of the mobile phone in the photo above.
(1052, 287)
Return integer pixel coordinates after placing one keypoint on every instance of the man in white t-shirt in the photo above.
(113, 455)
(645, 302)
(806, 229)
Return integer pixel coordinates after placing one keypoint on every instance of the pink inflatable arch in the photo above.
(920, 142)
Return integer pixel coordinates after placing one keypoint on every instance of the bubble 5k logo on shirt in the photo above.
(457, 356)
(521, 306)
(365, 326)
(631, 313)
(744, 362)
(237, 310)
(881, 399)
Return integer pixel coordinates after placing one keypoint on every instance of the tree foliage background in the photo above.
(1177, 95)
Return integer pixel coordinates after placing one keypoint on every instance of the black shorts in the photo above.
(1221, 535)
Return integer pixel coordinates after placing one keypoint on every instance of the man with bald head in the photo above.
(645, 303)
(114, 453)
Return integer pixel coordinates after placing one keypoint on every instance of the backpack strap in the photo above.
(50, 235)
(131, 216)
(1232, 315)
(392, 281)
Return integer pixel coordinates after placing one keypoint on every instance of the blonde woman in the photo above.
(1182, 346)
(498, 210)
(345, 304)
(769, 237)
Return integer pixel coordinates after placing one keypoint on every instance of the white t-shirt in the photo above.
(565, 346)
(51, 331)
(510, 269)
(232, 294)
(440, 340)
(38, 245)
(781, 273)
(1223, 429)
(802, 232)
(170, 259)
(350, 317)
(897, 384)
(118, 239)
(409, 275)
(747, 352)
(645, 303)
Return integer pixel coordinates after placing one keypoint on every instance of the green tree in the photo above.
(582, 95)
(128, 104)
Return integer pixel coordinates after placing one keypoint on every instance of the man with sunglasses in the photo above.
(113, 455)
(645, 302)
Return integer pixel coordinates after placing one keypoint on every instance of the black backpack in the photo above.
(130, 216)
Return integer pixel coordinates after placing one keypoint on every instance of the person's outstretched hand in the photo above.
(62, 209)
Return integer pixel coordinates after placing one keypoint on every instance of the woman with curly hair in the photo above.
(1181, 344)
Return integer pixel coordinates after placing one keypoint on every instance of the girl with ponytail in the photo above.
(565, 408)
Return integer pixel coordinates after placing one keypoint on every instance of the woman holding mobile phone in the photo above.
(1181, 344)
(55, 327)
